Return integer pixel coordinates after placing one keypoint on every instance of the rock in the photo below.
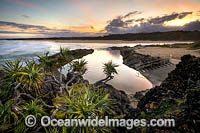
(178, 94)
(78, 53)
(122, 102)
(140, 61)
(139, 95)
(135, 98)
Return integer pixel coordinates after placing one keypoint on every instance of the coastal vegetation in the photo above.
(38, 87)
(192, 46)
(30, 88)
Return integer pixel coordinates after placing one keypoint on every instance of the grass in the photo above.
(176, 46)
(157, 112)
(166, 109)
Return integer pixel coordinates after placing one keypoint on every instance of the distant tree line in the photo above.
(155, 36)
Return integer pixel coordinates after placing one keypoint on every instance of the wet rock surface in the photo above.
(78, 53)
(155, 69)
(140, 61)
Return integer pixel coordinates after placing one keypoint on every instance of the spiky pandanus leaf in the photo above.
(31, 75)
(8, 118)
(48, 65)
(109, 68)
(34, 108)
(79, 66)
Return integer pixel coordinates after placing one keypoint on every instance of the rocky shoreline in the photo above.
(178, 96)
(77, 53)
(155, 69)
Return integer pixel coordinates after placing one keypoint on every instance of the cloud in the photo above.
(115, 25)
(192, 26)
(130, 14)
(25, 16)
(153, 24)
(119, 23)
(182, 15)
(16, 29)
(22, 26)
(11, 32)
(128, 23)
(161, 20)
(147, 28)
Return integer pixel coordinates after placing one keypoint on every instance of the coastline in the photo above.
(159, 72)
(156, 76)
(114, 41)
(172, 53)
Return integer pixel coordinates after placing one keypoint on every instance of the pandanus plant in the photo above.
(63, 58)
(31, 76)
(79, 66)
(78, 69)
(46, 63)
(8, 118)
(87, 102)
(109, 69)
(12, 67)
(10, 80)
(34, 108)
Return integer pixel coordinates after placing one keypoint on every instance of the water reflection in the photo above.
(127, 79)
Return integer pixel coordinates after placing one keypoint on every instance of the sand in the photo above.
(117, 41)
(173, 53)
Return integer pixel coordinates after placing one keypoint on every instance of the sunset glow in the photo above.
(182, 22)
(86, 18)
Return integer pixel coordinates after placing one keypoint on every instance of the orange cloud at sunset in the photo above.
(181, 22)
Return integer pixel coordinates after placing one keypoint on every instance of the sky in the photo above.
(74, 18)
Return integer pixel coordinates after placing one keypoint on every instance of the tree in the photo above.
(8, 118)
(86, 102)
(31, 76)
(10, 80)
(46, 63)
(79, 66)
(26, 79)
(109, 69)
(63, 58)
